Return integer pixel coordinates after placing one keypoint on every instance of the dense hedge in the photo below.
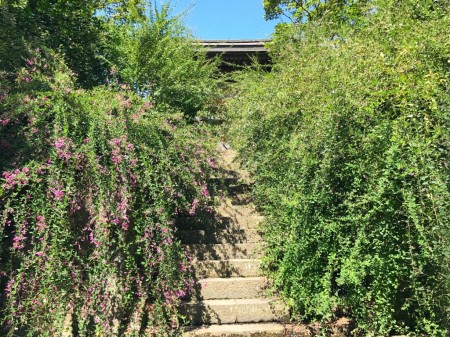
(91, 183)
(348, 139)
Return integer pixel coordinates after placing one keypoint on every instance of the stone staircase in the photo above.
(230, 298)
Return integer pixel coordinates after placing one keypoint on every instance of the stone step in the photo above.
(234, 311)
(227, 268)
(223, 251)
(231, 288)
(230, 209)
(238, 330)
(220, 222)
(234, 235)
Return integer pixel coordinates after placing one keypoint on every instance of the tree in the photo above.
(77, 29)
(169, 66)
(308, 10)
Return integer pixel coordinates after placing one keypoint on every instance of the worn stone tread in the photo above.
(232, 311)
(228, 268)
(223, 251)
(238, 330)
(224, 222)
(231, 235)
(232, 288)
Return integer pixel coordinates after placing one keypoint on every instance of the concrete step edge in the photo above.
(224, 251)
(232, 279)
(231, 235)
(235, 301)
(228, 268)
(230, 311)
(244, 330)
(231, 288)
(225, 222)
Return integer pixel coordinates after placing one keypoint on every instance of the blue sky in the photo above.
(225, 19)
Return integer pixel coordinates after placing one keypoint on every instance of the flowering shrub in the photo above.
(91, 182)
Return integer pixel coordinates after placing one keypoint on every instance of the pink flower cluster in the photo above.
(19, 238)
(16, 177)
(211, 162)
(122, 208)
(63, 147)
(117, 145)
(3, 96)
(41, 224)
(193, 208)
(57, 194)
(204, 191)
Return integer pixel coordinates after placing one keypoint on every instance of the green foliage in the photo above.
(91, 183)
(155, 55)
(93, 178)
(74, 28)
(170, 66)
(12, 46)
(348, 140)
(311, 10)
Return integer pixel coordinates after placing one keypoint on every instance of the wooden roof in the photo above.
(237, 52)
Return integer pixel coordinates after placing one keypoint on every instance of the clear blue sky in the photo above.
(225, 19)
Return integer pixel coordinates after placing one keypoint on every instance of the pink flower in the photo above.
(27, 79)
(9, 286)
(116, 141)
(204, 191)
(193, 208)
(62, 146)
(18, 241)
(16, 177)
(41, 223)
(116, 159)
(57, 194)
(211, 162)
(60, 143)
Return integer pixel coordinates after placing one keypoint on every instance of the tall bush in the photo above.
(171, 66)
(91, 182)
(349, 144)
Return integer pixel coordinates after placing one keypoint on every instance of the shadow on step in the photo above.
(232, 186)
(229, 268)
(235, 311)
(210, 227)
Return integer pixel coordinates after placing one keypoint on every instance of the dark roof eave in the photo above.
(226, 46)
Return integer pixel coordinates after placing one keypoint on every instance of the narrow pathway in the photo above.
(231, 298)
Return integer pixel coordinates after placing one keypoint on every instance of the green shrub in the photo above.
(91, 182)
(348, 140)
(164, 62)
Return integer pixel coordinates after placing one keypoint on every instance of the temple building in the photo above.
(237, 53)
